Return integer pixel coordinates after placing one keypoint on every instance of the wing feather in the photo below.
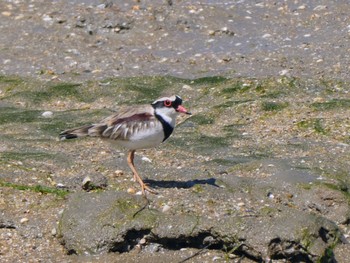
(119, 126)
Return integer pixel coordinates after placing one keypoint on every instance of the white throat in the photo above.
(168, 115)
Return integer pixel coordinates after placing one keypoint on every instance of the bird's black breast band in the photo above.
(168, 129)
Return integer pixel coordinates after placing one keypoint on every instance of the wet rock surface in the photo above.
(118, 222)
(259, 172)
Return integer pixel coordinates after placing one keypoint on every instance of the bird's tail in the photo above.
(86, 130)
(75, 132)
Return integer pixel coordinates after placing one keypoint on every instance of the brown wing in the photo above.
(117, 126)
(123, 124)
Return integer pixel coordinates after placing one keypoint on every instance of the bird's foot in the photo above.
(145, 187)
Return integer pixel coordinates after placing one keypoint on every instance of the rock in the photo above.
(118, 173)
(342, 253)
(47, 114)
(146, 159)
(131, 190)
(102, 222)
(24, 220)
(115, 221)
(166, 208)
(86, 184)
(6, 223)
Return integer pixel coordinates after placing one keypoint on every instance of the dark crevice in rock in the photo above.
(199, 241)
(324, 234)
(204, 240)
(291, 250)
(277, 249)
(131, 239)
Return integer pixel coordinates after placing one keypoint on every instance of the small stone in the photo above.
(47, 18)
(24, 220)
(6, 13)
(101, 6)
(320, 7)
(284, 72)
(86, 182)
(118, 173)
(47, 114)
(211, 32)
(131, 190)
(166, 208)
(266, 36)
(143, 241)
(54, 232)
(153, 247)
(146, 159)
(60, 185)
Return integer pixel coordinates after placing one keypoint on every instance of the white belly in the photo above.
(144, 139)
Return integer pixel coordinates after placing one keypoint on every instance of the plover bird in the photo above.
(135, 127)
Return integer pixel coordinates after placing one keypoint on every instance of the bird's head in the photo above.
(169, 106)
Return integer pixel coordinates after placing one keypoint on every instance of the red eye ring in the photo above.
(167, 103)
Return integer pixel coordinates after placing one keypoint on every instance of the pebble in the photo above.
(320, 7)
(146, 159)
(118, 173)
(131, 190)
(166, 208)
(284, 72)
(86, 182)
(266, 36)
(211, 32)
(54, 232)
(47, 114)
(24, 220)
(6, 13)
(47, 18)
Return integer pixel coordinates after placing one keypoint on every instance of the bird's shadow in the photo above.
(180, 184)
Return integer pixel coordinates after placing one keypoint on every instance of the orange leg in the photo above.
(137, 178)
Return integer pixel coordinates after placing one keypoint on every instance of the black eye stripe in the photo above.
(164, 103)
(177, 102)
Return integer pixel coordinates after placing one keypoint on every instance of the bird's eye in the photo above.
(167, 103)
